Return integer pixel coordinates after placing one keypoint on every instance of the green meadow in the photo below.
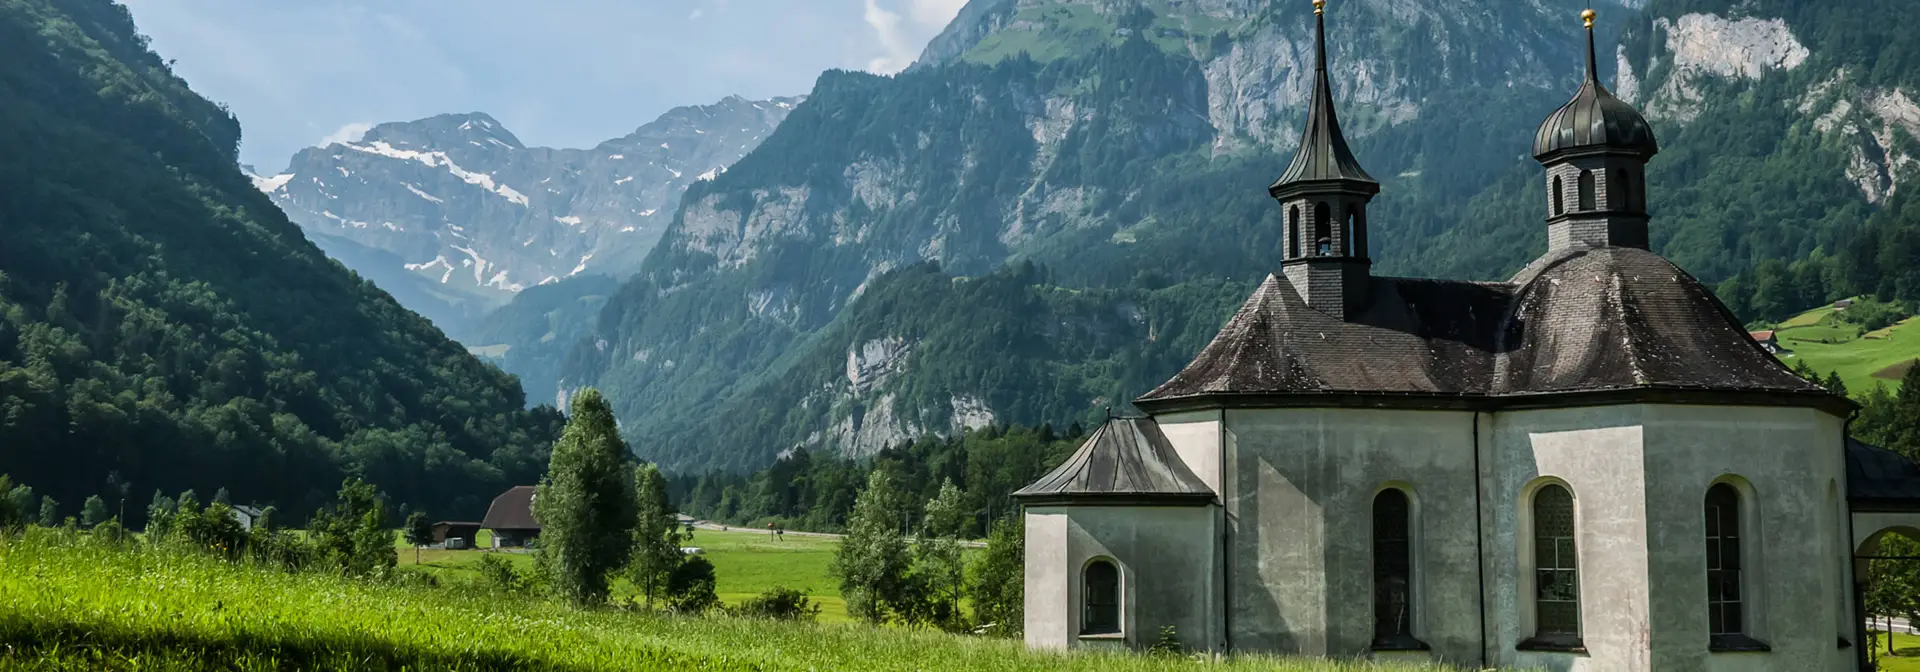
(68, 602)
(745, 564)
(1863, 358)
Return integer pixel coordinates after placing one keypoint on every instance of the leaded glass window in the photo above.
(1392, 570)
(1556, 564)
(1724, 615)
(1102, 597)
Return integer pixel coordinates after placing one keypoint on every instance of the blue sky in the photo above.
(559, 73)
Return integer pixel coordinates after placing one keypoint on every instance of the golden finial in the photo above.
(1319, 7)
(1588, 17)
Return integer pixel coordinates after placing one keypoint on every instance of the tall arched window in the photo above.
(1556, 569)
(1293, 232)
(1559, 197)
(1392, 571)
(1724, 614)
(1101, 614)
(1586, 191)
(1322, 229)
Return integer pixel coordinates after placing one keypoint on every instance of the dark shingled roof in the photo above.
(1880, 480)
(1323, 154)
(512, 510)
(1582, 320)
(1125, 461)
(1594, 120)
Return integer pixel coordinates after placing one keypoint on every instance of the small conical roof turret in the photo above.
(1595, 120)
(1323, 154)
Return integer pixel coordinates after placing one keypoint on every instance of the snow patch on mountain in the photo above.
(440, 160)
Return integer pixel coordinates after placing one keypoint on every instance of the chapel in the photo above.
(1590, 466)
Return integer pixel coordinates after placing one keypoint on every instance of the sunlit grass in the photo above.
(67, 603)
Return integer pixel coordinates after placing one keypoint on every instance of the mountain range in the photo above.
(455, 215)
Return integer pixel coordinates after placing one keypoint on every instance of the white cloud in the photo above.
(936, 14)
(349, 133)
(900, 37)
(886, 26)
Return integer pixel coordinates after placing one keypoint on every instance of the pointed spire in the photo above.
(1593, 62)
(1323, 153)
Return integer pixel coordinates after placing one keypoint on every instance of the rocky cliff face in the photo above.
(479, 216)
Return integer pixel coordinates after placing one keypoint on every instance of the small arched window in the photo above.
(1102, 597)
(1293, 232)
(1724, 614)
(1392, 571)
(1559, 197)
(1323, 229)
(1586, 191)
(1556, 571)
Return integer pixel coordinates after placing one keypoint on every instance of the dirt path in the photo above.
(719, 527)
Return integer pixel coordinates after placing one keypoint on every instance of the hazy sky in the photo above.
(561, 73)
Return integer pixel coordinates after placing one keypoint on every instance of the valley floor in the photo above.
(68, 602)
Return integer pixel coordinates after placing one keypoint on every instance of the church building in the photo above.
(1591, 466)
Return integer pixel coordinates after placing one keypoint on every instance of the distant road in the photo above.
(719, 527)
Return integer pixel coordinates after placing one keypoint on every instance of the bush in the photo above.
(780, 603)
(690, 587)
(110, 532)
(1168, 644)
(497, 573)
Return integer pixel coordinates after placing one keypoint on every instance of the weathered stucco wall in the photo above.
(1168, 573)
(1299, 503)
(1195, 436)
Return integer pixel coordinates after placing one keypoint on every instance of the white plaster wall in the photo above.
(1195, 436)
(1793, 599)
(1168, 572)
(1597, 453)
(1299, 495)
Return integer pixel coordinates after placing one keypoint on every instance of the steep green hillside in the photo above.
(160, 318)
(1866, 350)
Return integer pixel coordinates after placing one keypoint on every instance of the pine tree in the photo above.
(1835, 385)
(656, 538)
(585, 504)
(872, 561)
(94, 511)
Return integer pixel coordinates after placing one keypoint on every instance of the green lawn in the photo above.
(745, 564)
(1825, 343)
(1906, 656)
(68, 603)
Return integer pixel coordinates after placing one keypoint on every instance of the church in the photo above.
(1590, 466)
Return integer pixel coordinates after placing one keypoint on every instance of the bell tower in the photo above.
(1595, 149)
(1323, 203)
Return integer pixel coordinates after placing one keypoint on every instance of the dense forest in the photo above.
(162, 324)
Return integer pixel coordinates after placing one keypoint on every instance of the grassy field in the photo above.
(1825, 343)
(745, 564)
(1906, 656)
(68, 603)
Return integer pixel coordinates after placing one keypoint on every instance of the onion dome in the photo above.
(1323, 154)
(1594, 121)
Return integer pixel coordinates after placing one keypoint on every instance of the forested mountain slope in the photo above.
(161, 318)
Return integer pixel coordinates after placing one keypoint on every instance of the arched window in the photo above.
(1322, 229)
(1724, 614)
(1559, 197)
(1360, 230)
(1586, 191)
(1620, 191)
(1392, 571)
(1556, 569)
(1102, 597)
(1293, 232)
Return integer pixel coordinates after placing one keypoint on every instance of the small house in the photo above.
(1843, 304)
(247, 516)
(447, 532)
(510, 517)
(1767, 340)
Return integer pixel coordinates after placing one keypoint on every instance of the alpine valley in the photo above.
(1061, 202)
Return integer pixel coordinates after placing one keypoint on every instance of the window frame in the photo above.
(1559, 196)
(1714, 538)
(1531, 536)
(1403, 640)
(1087, 605)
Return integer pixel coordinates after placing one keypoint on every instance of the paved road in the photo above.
(718, 527)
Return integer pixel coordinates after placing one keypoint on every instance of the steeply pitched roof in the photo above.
(512, 510)
(1880, 480)
(1594, 120)
(1125, 461)
(1581, 320)
(1323, 154)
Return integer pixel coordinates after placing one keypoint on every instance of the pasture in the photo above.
(1863, 360)
(68, 602)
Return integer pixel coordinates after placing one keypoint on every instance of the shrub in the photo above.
(690, 587)
(1168, 644)
(497, 573)
(780, 603)
(110, 532)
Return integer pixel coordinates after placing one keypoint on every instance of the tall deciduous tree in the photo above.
(656, 534)
(938, 567)
(94, 511)
(996, 582)
(49, 512)
(585, 504)
(872, 562)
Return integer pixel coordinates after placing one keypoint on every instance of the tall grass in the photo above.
(70, 603)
